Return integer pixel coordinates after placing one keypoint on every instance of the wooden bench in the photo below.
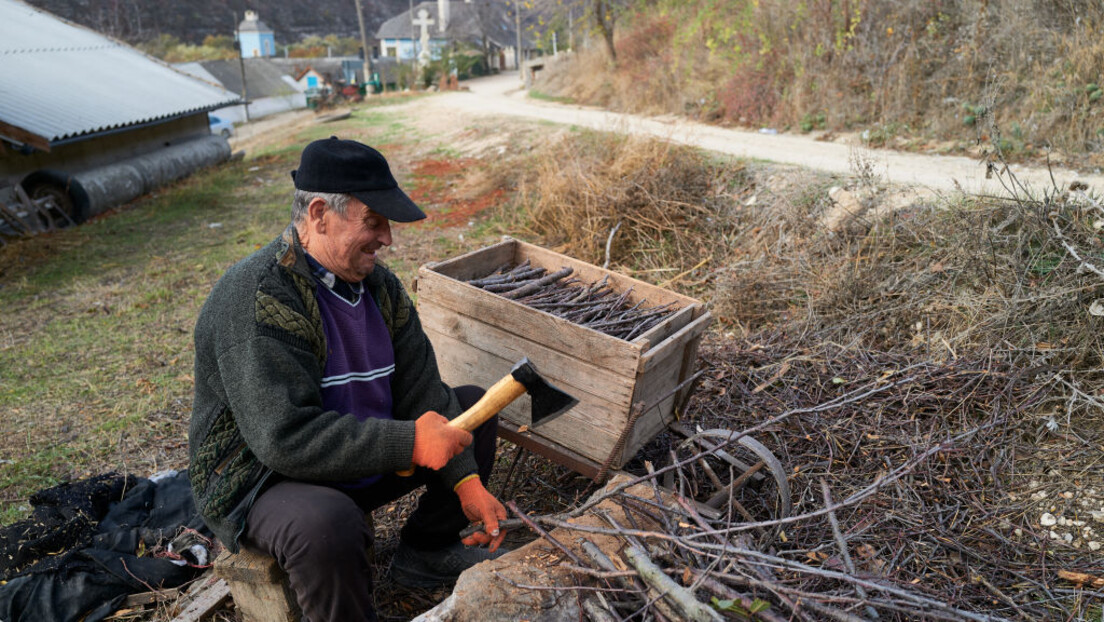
(260, 587)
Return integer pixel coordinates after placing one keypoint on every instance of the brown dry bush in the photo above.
(985, 313)
(916, 67)
(667, 203)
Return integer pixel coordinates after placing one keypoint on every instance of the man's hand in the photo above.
(481, 506)
(436, 442)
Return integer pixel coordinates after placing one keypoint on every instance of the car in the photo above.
(220, 126)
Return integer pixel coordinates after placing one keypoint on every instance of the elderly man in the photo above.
(315, 383)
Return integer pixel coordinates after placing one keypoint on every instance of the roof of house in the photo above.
(254, 25)
(467, 22)
(63, 82)
(331, 68)
(263, 78)
(299, 74)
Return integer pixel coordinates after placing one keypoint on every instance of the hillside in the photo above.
(935, 76)
(192, 21)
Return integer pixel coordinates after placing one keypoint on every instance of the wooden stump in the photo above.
(260, 587)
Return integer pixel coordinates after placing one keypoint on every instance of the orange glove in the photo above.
(481, 506)
(436, 442)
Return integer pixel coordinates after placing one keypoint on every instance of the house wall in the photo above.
(102, 150)
(254, 44)
(404, 49)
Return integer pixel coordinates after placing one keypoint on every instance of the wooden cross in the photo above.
(424, 22)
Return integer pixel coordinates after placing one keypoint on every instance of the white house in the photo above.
(255, 38)
(424, 31)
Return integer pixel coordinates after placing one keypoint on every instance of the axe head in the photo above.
(548, 401)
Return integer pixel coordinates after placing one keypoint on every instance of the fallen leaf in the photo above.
(523, 429)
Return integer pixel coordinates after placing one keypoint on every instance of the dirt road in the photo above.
(502, 95)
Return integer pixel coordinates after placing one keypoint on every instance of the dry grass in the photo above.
(981, 308)
(652, 203)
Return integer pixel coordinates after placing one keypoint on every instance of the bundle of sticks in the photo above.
(593, 305)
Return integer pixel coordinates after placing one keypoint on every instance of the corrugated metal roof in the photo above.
(59, 81)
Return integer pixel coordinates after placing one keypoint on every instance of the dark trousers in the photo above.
(318, 535)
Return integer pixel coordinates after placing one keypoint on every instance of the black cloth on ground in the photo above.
(87, 546)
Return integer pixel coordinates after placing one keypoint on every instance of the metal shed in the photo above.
(91, 121)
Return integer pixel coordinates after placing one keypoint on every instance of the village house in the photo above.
(310, 81)
(429, 28)
(255, 39)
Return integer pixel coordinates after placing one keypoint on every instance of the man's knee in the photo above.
(319, 523)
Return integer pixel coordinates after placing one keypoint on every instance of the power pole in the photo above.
(364, 45)
(413, 48)
(517, 25)
(571, 28)
(241, 63)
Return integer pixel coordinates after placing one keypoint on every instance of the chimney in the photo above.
(442, 14)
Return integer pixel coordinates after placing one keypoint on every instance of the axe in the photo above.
(548, 402)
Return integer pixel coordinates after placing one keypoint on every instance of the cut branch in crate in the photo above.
(593, 305)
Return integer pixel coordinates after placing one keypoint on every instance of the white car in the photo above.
(220, 126)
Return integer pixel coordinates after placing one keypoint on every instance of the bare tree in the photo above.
(605, 14)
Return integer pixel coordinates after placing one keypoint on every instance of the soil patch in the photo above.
(440, 185)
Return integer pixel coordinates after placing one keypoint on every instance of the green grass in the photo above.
(535, 94)
(96, 321)
(96, 353)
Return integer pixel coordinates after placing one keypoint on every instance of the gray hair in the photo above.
(303, 198)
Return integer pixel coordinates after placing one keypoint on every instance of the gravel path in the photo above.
(502, 95)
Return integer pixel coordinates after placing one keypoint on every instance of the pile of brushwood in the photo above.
(932, 379)
(593, 305)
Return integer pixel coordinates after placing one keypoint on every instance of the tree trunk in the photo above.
(603, 15)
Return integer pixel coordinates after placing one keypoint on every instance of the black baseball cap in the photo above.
(348, 167)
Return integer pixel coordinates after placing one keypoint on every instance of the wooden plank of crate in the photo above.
(477, 263)
(667, 327)
(590, 428)
(674, 344)
(464, 365)
(689, 367)
(671, 363)
(552, 364)
(554, 332)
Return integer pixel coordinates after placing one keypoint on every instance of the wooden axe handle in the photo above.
(499, 396)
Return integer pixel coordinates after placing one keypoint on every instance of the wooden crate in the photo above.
(478, 336)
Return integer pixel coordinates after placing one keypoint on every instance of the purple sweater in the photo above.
(361, 361)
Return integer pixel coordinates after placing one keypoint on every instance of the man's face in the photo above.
(346, 244)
